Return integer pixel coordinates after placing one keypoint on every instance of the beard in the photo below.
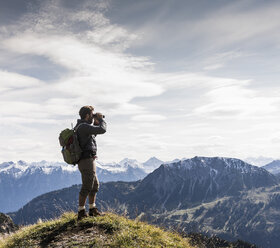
(90, 120)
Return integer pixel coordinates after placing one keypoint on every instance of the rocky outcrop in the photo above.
(6, 224)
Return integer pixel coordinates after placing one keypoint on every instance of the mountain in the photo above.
(273, 167)
(24, 181)
(258, 161)
(193, 181)
(152, 164)
(130, 162)
(6, 224)
(222, 196)
(127, 174)
(20, 182)
(178, 185)
(252, 216)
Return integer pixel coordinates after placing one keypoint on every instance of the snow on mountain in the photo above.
(20, 168)
(174, 160)
(199, 179)
(14, 169)
(121, 166)
(17, 169)
(23, 181)
(130, 162)
(112, 167)
(228, 164)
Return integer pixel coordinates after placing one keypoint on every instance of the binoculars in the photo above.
(95, 115)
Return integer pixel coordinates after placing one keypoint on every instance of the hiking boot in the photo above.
(94, 212)
(82, 214)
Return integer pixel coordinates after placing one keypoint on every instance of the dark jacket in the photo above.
(86, 136)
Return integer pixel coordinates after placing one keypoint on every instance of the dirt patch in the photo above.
(87, 236)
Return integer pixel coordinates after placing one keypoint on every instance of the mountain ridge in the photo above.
(24, 181)
(199, 179)
(196, 184)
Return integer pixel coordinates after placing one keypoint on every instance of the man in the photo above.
(87, 164)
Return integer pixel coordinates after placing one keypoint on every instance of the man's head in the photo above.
(86, 113)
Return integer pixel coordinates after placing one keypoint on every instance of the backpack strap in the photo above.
(76, 128)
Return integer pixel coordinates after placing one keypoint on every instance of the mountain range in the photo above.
(222, 196)
(23, 181)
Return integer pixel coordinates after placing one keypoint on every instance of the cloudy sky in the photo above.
(174, 78)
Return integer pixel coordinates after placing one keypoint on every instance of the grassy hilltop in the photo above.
(104, 231)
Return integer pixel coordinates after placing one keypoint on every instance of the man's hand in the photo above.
(96, 122)
(99, 116)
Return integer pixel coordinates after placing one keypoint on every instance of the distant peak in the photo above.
(152, 159)
(127, 160)
(213, 162)
(218, 158)
(21, 162)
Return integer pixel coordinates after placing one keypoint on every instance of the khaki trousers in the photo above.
(90, 183)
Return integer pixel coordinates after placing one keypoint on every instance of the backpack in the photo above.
(71, 150)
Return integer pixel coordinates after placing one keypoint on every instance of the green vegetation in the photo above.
(109, 230)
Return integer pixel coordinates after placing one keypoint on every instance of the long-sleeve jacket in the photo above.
(86, 136)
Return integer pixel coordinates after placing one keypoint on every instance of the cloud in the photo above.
(108, 76)
(220, 27)
(178, 112)
(235, 100)
(234, 24)
(220, 60)
(98, 72)
(148, 118)
(11, 81)
(213, 67)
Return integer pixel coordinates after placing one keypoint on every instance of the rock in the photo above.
(6, 224)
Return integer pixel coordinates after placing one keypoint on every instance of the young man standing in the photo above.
(87, 131)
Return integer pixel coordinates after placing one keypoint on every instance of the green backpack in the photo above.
(71, 150)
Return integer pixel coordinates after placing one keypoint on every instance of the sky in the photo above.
(174, 79)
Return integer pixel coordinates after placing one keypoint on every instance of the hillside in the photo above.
(110, 230)
(215, 196)
(252, 216)
(104, 231)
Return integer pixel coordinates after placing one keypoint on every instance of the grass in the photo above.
(109, 230)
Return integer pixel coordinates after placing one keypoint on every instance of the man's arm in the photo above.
(97, 129)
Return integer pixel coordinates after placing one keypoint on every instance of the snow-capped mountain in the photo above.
(219, 195)
(200, 179)
(20, 182)
(23, 181)
(273, 167)
(148, 166)
(20, 168)
(130, 162)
